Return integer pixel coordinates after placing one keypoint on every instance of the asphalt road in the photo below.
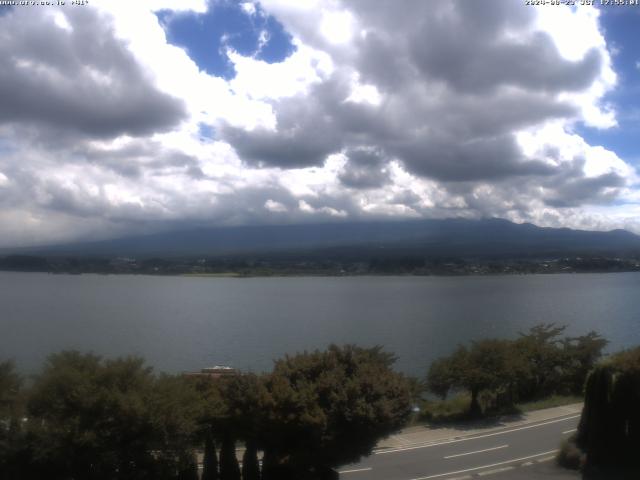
(480, 454)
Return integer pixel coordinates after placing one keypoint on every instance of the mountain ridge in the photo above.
(433, 237)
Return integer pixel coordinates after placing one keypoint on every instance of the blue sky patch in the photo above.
(206, 132)
(622, 32)
(226, 24)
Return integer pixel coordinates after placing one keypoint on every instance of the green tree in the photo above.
(173, 409)
(108, 419)
(544, 358)
(442, 375)
(487, 365)
(580, 357)
(245, 397)
(331, 407)
(233, 411)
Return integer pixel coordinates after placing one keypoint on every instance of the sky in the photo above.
(121, 118)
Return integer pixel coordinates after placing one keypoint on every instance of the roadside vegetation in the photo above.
(607, 442)
(85, 417)
(539, 369)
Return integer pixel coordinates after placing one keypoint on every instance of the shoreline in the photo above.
(321, 275)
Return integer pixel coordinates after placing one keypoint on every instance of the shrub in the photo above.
(569, 455)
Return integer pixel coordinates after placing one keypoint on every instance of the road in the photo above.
(468, 456)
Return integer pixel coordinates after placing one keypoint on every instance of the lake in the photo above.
(185, 323)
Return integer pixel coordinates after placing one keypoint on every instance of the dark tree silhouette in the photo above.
(210, 460)
(250, 466)
(229, 468)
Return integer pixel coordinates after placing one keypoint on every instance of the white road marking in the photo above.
(495, 470)
(569, 431)
(466, 439)
(546, 459)
(477, 451)
(355, 470)
(485, 466)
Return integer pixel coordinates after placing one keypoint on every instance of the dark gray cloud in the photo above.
(300, 146)
(365, 168)
(456, 159)
(304, 137)
(138, 157)
(77, 79)
(472, 59)
(470, 46)
(572, 188)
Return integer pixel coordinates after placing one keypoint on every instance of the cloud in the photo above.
(138, 158)
(578, 191)
(364, 168)
(457, 82)
(69, 73)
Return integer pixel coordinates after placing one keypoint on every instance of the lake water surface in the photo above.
(184, 323)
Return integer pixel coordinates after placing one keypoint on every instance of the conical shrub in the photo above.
(210, 462)
(229, 468)
(250, 467)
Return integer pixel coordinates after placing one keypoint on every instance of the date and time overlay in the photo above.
(604, 3)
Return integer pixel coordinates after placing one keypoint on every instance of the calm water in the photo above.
(180, 323)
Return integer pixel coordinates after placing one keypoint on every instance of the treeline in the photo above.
(499, 373)
(85, 417)
(320, 263)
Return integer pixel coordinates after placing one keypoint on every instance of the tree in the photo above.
(188, 468)
(609, 429)
(581, 355)
(210, 461)
(331, 407)
(488, 365)
(543, 355)
(108, 419)
(442, 377)
(234, 407)
(537, 364)
(10, 384)
(10, 412)
(229, 468)
(174, 408)
(250, 465)
(246, 398)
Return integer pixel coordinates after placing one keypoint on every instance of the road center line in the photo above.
(485, 466)
(355, 470)
(569, 431)
(477, 451)
(466, 439)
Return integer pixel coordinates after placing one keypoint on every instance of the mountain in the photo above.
(429, 238)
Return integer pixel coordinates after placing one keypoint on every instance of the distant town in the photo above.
(277, 266)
